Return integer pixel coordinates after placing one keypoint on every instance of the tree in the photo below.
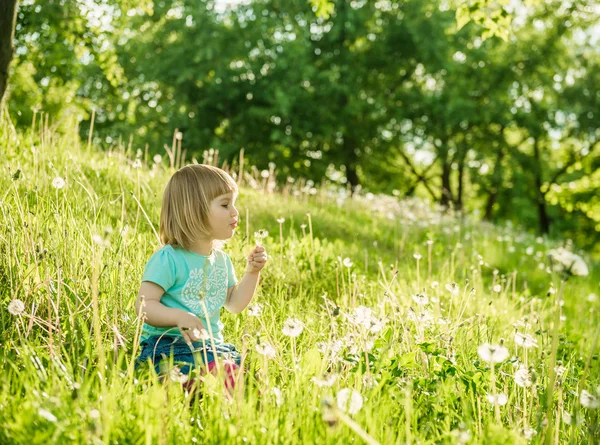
(8, 19)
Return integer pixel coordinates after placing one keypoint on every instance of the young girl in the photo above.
(188, 280)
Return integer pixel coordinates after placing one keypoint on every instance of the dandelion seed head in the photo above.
(492, 353)
(417, 255)
(497, 399)
(588, 400)
(292, 327)
(280, 220)
(16, 307)
(58, 182)
(157, 159)
(349, 401)
(327, 380)
(347, 262)
(266, 349)
(47, 415)
(497, 288)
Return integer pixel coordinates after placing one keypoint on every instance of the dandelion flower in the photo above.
(260, 235)
(497, 288)
(280, 220)
(497, 399)
(58, 182)
(525, 340)
(137, 163)
(266, 349)
(47, 415)
(528, 433)
(420, 299)
(589, 400)
(278, 395)
(492, 353)
(157, 159)
(347, 262)
(292, 327)
(178, 376)
(434, 284)
(417, 255)
(327, 381)
(568, 261)
(523, 377)
(94, 414)
(349, 401)
(452, 288)
(255, 310)
(16, 307)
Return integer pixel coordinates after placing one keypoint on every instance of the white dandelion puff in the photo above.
(280, 220)
(589, 400)
(522, 377)
(452, 288)
(255, 310)
(327, 381)
(497, 399)
(347, 262)
(525, 340)
(47, 415)
(292, 327)
(266, 349)
(16, 307)
(349, 401)
(492, 353)
(58, 182)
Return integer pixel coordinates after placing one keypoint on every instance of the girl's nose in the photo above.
(235, 212)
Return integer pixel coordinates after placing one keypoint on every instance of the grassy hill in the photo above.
(395, 299)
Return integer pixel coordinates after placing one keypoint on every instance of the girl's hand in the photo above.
(191, 328)
(256, 260)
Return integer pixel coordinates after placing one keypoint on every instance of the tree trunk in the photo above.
(496, 184)
(446, 196)
(543, 217)
(461, 179)
(8, 19)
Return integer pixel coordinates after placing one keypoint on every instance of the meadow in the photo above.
(376, 320)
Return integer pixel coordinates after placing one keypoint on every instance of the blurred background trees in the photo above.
(487, 109)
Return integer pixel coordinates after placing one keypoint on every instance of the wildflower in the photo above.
(589, 400)
(528, 433)
(278, 395)
(349, 401)
(16, 307)
(280, 220)
(137, 163)
(260, 235)
(255, 310)
(497, 399)
(157, 159)
(265, 174)
(94, 414)
(361, 316)
(434, 284)
(568, 261)
(417, 256)
(452, 288)
(266, 349)
(523, 377)
(560, 370)
(529, 251)
(58, 182)
(178, 135)
(327, 380)
(525, 340)
(347, 262)
(47, 415)
(420, 299)
(178, 376)
(497, 288)
(292, 327)
(492, 353)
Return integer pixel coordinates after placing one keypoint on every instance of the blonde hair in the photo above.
(186, 203)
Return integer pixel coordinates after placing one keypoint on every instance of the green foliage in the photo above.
(68, 247)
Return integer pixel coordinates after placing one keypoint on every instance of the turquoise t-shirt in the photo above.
(181, 274)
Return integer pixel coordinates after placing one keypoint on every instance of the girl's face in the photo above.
(223, 216)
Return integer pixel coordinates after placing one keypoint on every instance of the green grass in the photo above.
(68, 358)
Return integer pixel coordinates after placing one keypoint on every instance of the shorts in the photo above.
(160, 348)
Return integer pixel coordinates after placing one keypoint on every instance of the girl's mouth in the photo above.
(234, 224)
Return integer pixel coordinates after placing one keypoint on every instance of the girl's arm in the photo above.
(149, 307)
(240, 295)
